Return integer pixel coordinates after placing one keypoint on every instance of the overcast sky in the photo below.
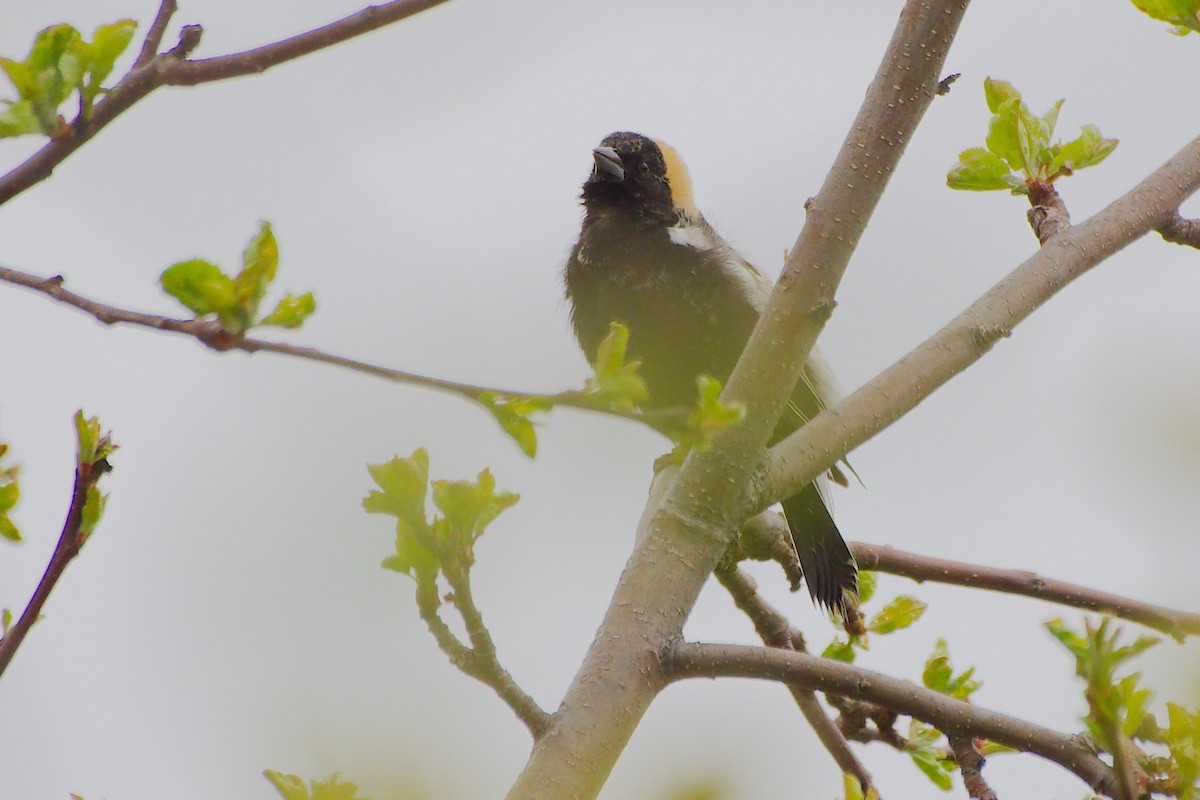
(229, 614)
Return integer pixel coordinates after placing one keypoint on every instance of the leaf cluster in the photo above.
(1119, 707)
(93, 450)
(292, 787)
(1184, 15)
(1018, 152)
(426, 545)
(60, 63)
(10, 493)
(205, 289)
(900, 613)
(616, 387)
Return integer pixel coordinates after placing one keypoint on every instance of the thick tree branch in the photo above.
(1172, 622)
(953, 717)
(173, 69)
(775, 631)
(817, 446)
(70, 541)
(1179, 230)
(689, 528)
(211, 334)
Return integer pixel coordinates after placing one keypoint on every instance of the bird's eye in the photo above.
(643, 168)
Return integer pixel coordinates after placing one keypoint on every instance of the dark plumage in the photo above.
(647, 258)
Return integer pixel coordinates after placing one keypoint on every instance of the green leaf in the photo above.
(8, 529)
(616, 382)
(291, 311)
(980, 170)
(202, 287)
(18, 119)
(939, 675)
(260, 261)
(990, 748)
(996, 92)
(840, 651)
(91, 446)
(1183, 14)
(937, 769)
(469, 507)
(1050, 118)
(403, 483)
(291, 787)
(897, 615)
(1076, 644)
(1004, 135)
(710, 416)
(514, 415)
(108, 42)
(867, 581)
(1089, 149)
(10, 493)
(5, 622)
(93, 509)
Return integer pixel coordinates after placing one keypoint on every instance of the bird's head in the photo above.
(638, 175)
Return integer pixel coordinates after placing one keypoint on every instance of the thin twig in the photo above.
(953, 717)
(154, 35)
(970, 764)
(775, 631)
(173, 68)
(70, 541)
(1180, 230)
(485, 664)
(1172, 622)
(211, 334)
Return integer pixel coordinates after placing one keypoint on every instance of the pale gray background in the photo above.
(230, 616)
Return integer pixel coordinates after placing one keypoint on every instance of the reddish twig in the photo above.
(211, 334)
(70, 541)
(775, 631)
(154, 35)
(954, 717)
(1172, 622)
(1180, 230)
(970, 764)
(173, 69)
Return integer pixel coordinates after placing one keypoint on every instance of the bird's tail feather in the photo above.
(826, 561)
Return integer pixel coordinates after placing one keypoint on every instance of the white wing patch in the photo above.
(688, 234)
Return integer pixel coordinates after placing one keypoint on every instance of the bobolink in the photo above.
(647, 258)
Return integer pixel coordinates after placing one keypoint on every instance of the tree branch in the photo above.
(970, 764)
(799, 458)
(953, 717)
(154, 35)
(260, 59)
(883, 558)
(687, 530)
(70, 541)
(211, 334)
(479, 660)
(1179, 230)
(775, 631)
(173, 69)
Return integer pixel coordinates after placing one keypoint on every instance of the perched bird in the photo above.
(647, 258)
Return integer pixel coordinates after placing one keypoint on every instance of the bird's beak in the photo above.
(608, 165)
